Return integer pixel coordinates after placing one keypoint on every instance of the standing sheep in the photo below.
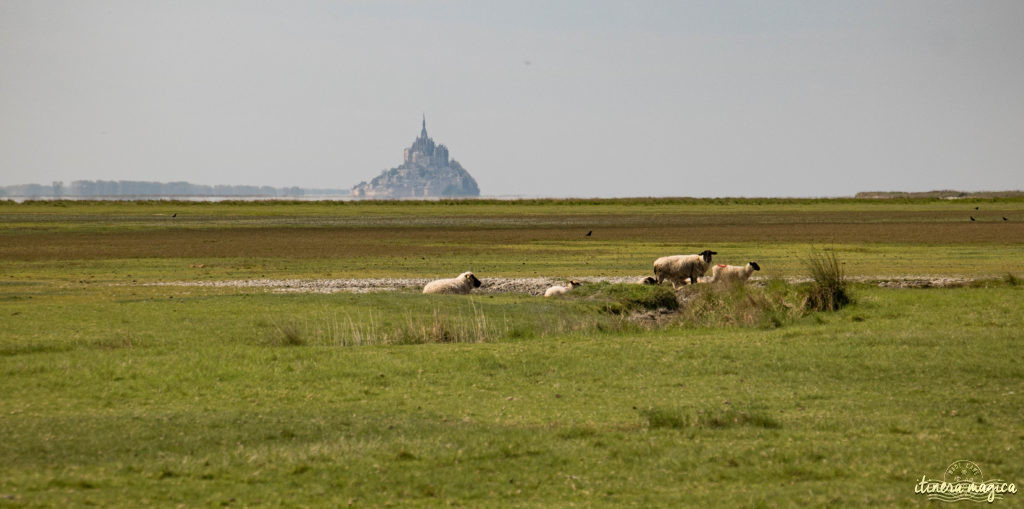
(680, 269)
(463, 283)
(733, 273)
(559, 290)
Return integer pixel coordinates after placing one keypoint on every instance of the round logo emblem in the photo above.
(962, 471)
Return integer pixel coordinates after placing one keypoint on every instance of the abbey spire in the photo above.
(426, 171)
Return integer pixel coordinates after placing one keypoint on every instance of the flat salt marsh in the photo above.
(117, 393)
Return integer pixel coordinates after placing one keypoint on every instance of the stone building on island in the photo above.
(427, 172)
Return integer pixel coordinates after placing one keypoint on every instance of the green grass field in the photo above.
(120, 393)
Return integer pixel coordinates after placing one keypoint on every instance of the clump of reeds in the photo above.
(828, 290)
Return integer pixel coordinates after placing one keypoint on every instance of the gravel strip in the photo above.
(531, 285)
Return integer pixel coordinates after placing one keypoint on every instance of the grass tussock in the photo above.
(624, 298)
(773, 305)
(445, 327)
(829, 289)
(708, 418)
(287, 333)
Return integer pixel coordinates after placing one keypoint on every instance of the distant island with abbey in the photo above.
(427, 172)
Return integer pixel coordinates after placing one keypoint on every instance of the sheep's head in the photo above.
(472, 279)
(574, 284)
(706, 255)
(648, 281)
(755, 265)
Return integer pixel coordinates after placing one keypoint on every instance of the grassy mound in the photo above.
(624, 298)
(771, 306)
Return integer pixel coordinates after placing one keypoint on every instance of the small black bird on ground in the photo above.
(174, 214)
(975, 208)
(588, 233)
(972, 218)
(1004, 218)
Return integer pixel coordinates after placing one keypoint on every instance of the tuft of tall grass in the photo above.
(828, 290)
(443, 323)
(445, 327)
(287, 333)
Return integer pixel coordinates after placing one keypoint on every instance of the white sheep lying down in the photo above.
(682, 269)
(733, 273)
(462, 283)
(560, 290)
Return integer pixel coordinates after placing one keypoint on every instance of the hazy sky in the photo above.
(546, 98)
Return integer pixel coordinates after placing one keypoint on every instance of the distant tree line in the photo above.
(129, 188)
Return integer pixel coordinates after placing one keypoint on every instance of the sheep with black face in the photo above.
(682, 269)
(460, 284)
(733, 273)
